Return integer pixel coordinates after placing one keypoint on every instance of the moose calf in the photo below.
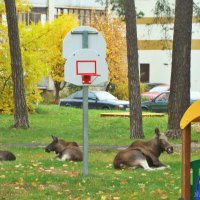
(144, 154)
(7, 156)
(65, 150)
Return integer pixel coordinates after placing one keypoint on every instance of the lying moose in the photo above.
(7, 156)
(144, 154)
(65, 150)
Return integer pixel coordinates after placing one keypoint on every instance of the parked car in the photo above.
(155, 91)
(149, 86)
(160, 103)
(96, 100)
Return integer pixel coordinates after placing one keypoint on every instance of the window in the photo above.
(163, 97)
(91, 96)
(144, 73)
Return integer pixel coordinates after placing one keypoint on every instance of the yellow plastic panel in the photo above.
(191, 114)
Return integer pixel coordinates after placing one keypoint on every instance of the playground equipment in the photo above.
(189, 190)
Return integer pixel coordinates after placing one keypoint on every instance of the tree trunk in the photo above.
(136, 130)
(58, 87)
(179, 98)
(20, 108)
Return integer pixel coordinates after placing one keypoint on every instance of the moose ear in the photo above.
(157, 132)
(54, 138)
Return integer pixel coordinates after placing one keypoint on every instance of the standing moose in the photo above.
(144, 154)
(65, 150)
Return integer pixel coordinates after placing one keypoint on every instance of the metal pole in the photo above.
(85, 45)
(85, 130)
(85, 114)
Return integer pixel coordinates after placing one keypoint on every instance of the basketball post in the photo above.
(84, 49)
(85, 34)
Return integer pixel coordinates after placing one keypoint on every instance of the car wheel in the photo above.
(145, 109)
(106, 108)
(68, 105)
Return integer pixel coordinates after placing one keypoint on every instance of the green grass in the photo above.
(36, 175)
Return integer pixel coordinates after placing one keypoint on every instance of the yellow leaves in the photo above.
(123, 182)
(161, 193)
(110, 165)
(54, 39)
(21, 181)
(2, 176)
(113, 32)
(104, 197)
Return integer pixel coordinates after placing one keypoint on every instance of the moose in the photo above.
(66, 151)
(144, 154)
(7, 156)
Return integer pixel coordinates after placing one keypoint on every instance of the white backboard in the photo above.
(87, 67)
(86, 61)
(73, 41)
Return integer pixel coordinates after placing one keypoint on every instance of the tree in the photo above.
(118, 7)
(180, 59)
(112, 30)
(136, 130)
(56, 31)
(34, 66)
(179, 98)
(20, 107)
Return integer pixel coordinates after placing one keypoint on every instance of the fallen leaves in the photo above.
(162, 193)
(51, 170)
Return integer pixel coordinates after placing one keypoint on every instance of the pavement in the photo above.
(103, 147)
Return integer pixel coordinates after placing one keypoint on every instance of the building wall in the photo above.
(68, 3)
(47, 10)
(155, 45)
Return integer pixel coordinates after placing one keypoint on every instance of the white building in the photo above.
(47, 10)
(155, 52)
(154, 44)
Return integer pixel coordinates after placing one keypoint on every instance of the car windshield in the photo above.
(105, 95)
(163, 97)
(159, 89)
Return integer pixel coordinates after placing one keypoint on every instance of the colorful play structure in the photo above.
(190, 183)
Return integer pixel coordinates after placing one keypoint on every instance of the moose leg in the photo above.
(160, 166)
(140, 161)
(65, 157)
(143, 163)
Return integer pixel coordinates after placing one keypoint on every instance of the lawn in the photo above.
(36, 175)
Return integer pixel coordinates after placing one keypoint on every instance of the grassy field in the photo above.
(36, 175)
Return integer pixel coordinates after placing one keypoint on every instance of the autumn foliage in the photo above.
(113, 31)
(56, 31)
(41, 47)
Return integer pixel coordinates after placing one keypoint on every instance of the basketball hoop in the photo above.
(86, 69)
(86, 78)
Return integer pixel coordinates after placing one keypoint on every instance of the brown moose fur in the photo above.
(7, 156)
(65, 150)
(144, 153)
